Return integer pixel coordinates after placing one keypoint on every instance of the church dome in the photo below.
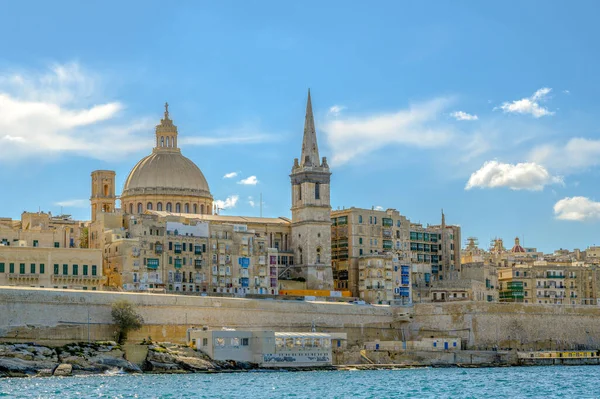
(166, 180)
(166, 173)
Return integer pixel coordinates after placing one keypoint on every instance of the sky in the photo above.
(487, 110)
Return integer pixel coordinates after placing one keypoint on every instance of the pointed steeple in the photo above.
(310, 149)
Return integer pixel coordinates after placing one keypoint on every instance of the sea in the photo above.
(502, 382)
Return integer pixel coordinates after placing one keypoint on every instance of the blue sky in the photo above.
(488, 110)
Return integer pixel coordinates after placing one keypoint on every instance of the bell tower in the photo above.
(103, 197)
(311, 211)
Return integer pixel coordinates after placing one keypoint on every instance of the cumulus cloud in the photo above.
(336, 109)
(529, 105)
(577, 208)
(521, 176)
(578, 153)
(249, 181)
(74, 203)
(61, 111)
(230, 175)
(228, 203)
(379, 208)
(463, 116)
(352, 137)
(251, 202)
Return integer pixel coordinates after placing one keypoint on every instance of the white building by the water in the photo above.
(267, 348)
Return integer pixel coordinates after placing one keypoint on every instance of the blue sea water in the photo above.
(514, 382)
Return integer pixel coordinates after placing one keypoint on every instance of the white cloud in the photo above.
(230, 138)
(249, 181)
(529, 105)
(354, 137)
(228, 203)
(230, 175)
(74, 203)
(463, 116)
(61, 111)
(521, 176)
(336, 109)
(579, 153)
(379, 208)
(577, 208)
(566, 92)
(251, 202)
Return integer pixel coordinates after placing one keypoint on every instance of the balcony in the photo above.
(27, 277)
(549, 276)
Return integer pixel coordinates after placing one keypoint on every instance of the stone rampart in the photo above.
(509, 325)
(56, 317)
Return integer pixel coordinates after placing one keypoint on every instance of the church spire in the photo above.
(310, 149)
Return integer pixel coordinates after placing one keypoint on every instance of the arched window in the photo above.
(186, 208)
(300, 253)
(162, 141)
(140, 209)
(130, 208)
(167, 141)
(318, 254)
(169, 207)
(195, 208)
(178, 208)
(317, 191)
(149, 206)
(359, 218)
(159, 206)
(106, 190)
(202, 209)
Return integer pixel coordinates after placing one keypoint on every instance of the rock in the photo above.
(159, 367)
(108, 362)
(63, 370)
(13, 365)
(44, 373)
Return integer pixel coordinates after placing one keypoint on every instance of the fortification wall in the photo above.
(502, 325)
(55, 317)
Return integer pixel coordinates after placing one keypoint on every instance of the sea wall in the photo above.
(54, 317)
(501, 325)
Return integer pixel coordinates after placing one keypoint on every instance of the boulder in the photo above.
(110, 362)
(63, 370)
(44, 373)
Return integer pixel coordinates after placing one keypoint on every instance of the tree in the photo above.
(126, 318)
(84, 239)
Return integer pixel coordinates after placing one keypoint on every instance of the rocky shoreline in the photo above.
(32, 360)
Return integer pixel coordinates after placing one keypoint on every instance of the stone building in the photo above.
(432, 252)
(546, 283)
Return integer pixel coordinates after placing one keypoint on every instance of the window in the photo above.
(65, 270)
(56, 244)
(55, 268)
(169, 207)
(22, 268)
(317, 191)
(85, 270)
(360, 240)
(149, 206)
(359, 218)
(178, 208)
(32, 268)
(139, 207)
(195, 208)
(244, 341)
(11, 267)
(187, 208)
(35, 243)
(204, 341)
(159, 206)
(75, 270)
(93, 270)
(1, 267)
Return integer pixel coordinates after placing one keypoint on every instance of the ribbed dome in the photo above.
(166, 172)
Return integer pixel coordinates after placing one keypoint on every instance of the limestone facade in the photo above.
(59, 268)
